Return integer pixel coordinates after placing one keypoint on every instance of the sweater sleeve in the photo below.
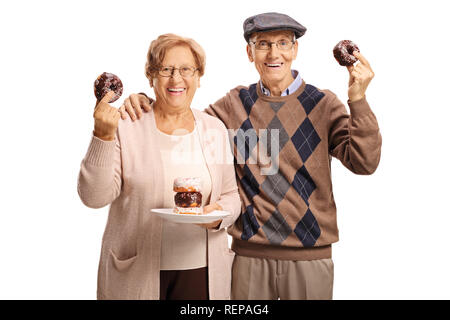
(354, 139)
(100, 177)
(220, 108)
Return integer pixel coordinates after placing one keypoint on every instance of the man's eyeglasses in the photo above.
(184, 71)
(267, 45)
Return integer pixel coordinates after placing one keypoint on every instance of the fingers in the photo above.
(144, 102)
(355, 70)
(355, 77)
(105, 100)
(351, 73)
(350, 69)
(359, 70)
(365, 71)
(123, 113)
(134, 106)
(211, 207)
(208, 209)
(361, 58)
(129, 109)
(116, 115)
(108, 96)
(362, 67)
(134, 98)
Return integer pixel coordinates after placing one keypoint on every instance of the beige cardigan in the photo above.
(126, 173)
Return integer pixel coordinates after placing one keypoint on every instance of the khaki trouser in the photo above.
(266, 279)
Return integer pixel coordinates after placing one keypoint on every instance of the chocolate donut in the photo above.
(105, 83)
(188, 199)
(343, 52)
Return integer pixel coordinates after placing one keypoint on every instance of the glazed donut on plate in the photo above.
(188, 197)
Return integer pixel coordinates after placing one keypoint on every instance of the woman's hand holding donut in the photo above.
(106, 118)
(134, 106)
(207, 209)
(360, 76)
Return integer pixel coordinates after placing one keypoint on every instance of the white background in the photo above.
(394, 225)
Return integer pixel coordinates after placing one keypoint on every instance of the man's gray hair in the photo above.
(255, 35)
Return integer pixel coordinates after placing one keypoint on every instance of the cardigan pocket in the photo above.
(122, 265)
(119, 278)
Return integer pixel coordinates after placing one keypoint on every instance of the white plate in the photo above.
(168, 214)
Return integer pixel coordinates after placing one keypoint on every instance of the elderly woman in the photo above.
(132, 166)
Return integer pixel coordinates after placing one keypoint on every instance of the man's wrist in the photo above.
(355, 98)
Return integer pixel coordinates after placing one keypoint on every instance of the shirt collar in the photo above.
(292, 87)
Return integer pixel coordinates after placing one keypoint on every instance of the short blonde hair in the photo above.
(159, 47)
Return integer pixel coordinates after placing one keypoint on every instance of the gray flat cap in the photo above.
(271, 21)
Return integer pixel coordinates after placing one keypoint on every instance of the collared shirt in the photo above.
(292, 87)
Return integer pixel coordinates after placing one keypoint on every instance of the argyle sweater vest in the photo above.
(283, 148)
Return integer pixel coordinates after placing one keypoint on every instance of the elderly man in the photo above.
(285, 132)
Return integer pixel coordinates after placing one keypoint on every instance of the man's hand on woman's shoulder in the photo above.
(134, 106)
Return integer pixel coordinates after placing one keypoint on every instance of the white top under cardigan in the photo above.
(183, 246)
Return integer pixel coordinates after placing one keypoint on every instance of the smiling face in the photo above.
(176, 92)
(273, 65)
